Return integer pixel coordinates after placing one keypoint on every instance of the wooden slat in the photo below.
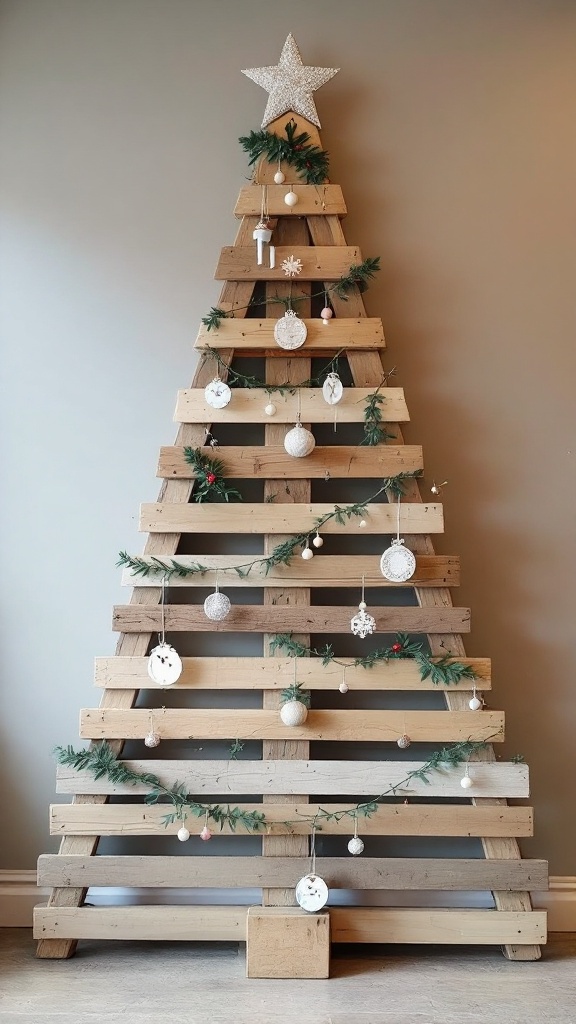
(279, 619)
(338, 872)
(312, 199)
(246, 517)
(256, 336)
(425, 819)
(247, 406)
(319, 263)
(258, 724)
(502, 779)
(230, 673)
(323, 571)
(348, 924)
(264, 462)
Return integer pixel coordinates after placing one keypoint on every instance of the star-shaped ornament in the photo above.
(290, 84)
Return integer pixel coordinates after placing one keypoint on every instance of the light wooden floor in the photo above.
(175, 983)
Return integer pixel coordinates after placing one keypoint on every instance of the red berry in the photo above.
(396, 648)
(211, 478)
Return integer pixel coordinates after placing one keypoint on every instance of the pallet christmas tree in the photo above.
(292, 302)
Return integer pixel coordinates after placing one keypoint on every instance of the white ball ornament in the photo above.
(466, 782)
(270, 409)
(164, 665)
(307, 553)
(183, 834)
(317, 541)
(362, 524)
(355, 846)
(279, 178)
(290, 198)
(299, 442)
(293, 713)
(217, 606)
(343, 687)
(152, 739)
(475, 704)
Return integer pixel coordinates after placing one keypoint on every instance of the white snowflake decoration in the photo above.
(291, 267)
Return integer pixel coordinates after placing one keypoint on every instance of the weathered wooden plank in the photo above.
(319, 263)
(232, 673)
(424, 819)
(252, 336)
(247, 406)
(312, 199)
(272, 461)
(246, 517)
(338, 872)
(259, 724)
(325, 571)
(217, 778)
(280, 619)
(348, 924)
(285, 942)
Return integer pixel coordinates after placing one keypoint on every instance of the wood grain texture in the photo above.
(247, 406)
(323, 571)
(312, 199)
(319, 263)
(452, 874)
(272, 462)
(348, 924)
(424, 819)
(230, 673)
(355, 778)
(257, 724)
(286, 942)
(281, 619)
(254, 337)
(299, 517)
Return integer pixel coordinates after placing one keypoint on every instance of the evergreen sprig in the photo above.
(374, 432)
(308, 160)
(444, 670)
(395, 484)
(243, 380)
(359, 275)
(295, 692)
(214, 317)
(210, 482)
(101, 762)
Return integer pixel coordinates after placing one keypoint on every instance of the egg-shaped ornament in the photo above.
(279, 177)
(164, 665)
(290, 198)
(217, 606)
(311, 893)
(299, 442)
(398, 563)
(270, 409)
(290, 332)
(183, 834)
(217, 394)
(475, 704)
(355, 846)
(293, 713)
(332, 389)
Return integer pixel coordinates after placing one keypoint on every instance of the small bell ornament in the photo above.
(290, 332)
(362, 624)
(217, 606)
(398, 563)
(299, 442)
(164, 665)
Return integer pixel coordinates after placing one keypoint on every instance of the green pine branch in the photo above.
(308, 160)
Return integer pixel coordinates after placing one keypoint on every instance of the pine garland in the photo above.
(374, 432)
(308, 160)
(101, 762)
(210, 482)
(243, 380)
(444, 670)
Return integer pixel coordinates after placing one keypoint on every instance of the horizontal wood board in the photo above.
(247, 406)
(319, 263)
(252, 336)
(312, 199)
(264, 462)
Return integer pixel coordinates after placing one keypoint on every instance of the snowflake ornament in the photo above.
(291, 267)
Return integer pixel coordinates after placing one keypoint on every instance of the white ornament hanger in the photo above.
(263, 232)
(362, 624)
(398, 563)
(164, 663)
(312, 891)
(355, 846)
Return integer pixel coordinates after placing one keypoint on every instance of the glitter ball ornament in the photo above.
(183, 834)
(466, 782)
(355, 846)
(343, 687)
(217, 606)
(307, 553)
(164, 665)
(362, 624)
(293, 713)
(475, 704)
(317, 542)
(299, 442)
(326, 315)
(270, 409)
(152, 739)
(205, 834)
(279, 178)
(403, 742)
(290, 198)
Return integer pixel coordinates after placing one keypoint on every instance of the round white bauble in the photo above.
(164, 665)
(152, 739)
(362, 524)
(290, 332)
(317, 541)
(355, 846)
(398, 563)
(299, 442)
(217, 606)
(311, 893)
(290, 198)
(270, 409)
(279, 177)
(307, 554)
(475, 704)
(343, 687)
(466, 782)
(293, 713)
(403, 742)
(217, 394)
(183, 834)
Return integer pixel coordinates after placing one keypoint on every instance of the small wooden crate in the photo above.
(286, 942)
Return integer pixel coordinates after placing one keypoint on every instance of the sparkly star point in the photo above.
(290, 84)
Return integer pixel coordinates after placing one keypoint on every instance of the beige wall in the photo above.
(452, 130)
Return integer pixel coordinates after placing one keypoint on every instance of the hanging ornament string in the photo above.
(162, 634)
(397, 563)
(313, 851)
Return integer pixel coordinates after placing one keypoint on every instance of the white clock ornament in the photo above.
(312, 893)
(217, 394)
(397, 563)
(164, 665)
(332, 389)
(290, 331)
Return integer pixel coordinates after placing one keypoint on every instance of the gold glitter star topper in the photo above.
(290, 84)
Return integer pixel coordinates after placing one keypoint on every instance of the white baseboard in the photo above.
(19, 894)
